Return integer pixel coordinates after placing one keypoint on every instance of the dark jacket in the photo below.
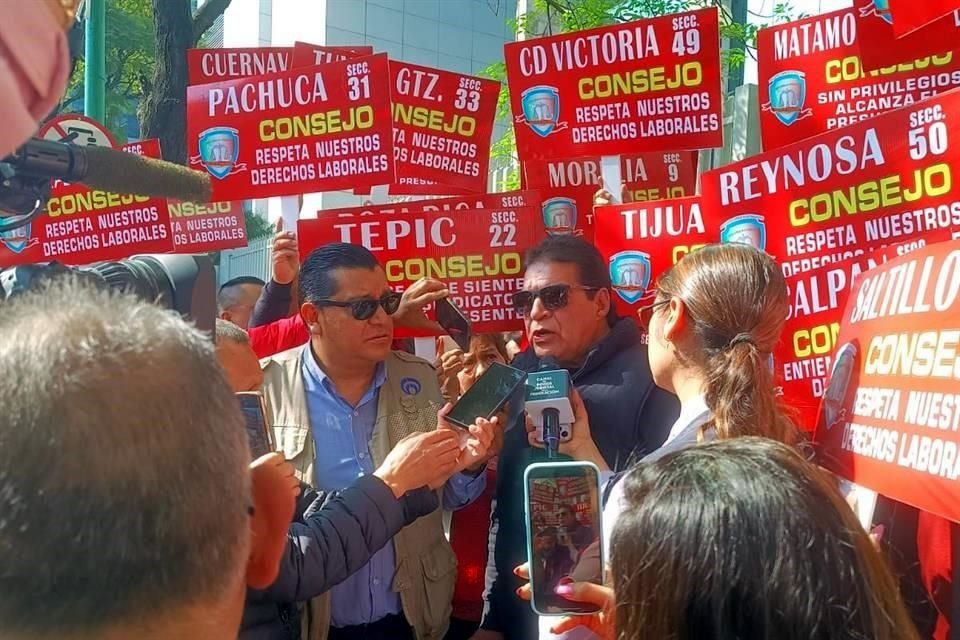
(336, 536)
(629, 417)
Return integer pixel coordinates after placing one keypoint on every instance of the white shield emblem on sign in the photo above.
(787, 93)
(746, 229)
(541, 108)
(630, 275)
(560, 216)
(16, 239)
(219, 150)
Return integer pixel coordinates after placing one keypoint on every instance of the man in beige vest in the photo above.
(338, 405)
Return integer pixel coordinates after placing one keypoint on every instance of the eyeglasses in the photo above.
(553, 296)
(646, 313)
(364, 308)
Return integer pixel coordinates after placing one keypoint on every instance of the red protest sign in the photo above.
(642, 240)
(478, 253)
(843, 193)
(505, 200)
(804, 355)
(811, 79)
(442, 126)
(653, 84)
(216, 65)
(311, 55)
(200, 228)
(568, 187)
(890, 415)
(83, 225)
(312, 129)
(881, 49)
(909, 16)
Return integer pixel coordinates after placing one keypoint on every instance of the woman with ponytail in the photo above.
(716, 317)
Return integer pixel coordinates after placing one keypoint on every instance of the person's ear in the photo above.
(676, 319)
(603, 302)
(274, 504)
(225, 315)
(311, 316)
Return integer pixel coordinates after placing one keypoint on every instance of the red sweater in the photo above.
(469, 532)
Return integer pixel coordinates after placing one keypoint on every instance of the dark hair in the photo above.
(745, 539)
(567, 249)
(241, 280)
(737, 298)
(229, 296)
(317, 281)
(480, 340)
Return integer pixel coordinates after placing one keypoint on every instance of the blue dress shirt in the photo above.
(342, 434)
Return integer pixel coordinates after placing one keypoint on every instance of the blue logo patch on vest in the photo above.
(630, 275)
(746, 229)
(541, 109)
(560, 216)
(219, 150)
(787, 92)
(410, 386)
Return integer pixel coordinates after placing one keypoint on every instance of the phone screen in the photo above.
(563, 522)
(258, 432)
(454, 323)
(499, 387)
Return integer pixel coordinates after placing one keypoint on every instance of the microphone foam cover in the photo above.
(128, 173)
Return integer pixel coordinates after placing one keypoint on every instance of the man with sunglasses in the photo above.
(570, 323)
(339, 405)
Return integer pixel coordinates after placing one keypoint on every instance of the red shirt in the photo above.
(278, 336)
(469, 537)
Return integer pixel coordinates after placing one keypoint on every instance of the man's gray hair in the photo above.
(226, 330)
(124, 467)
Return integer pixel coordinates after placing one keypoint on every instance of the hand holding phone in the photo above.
(454, 322)
(259, 433)
(499, 387)
(562, 505)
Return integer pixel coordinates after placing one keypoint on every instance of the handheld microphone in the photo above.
(550, 432)
(102, 168)
(548, 403)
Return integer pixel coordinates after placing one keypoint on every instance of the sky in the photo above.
(760, 9)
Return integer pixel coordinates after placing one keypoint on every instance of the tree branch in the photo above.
(206, 15)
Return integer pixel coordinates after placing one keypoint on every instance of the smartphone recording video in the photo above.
(500, 390)
(564, 541)
(259, 433)
(454, 322)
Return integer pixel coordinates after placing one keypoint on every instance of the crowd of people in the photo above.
(130, 506)
(121, 427)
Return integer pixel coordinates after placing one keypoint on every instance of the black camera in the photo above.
(184, 283)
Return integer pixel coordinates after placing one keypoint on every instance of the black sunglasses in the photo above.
(553, 296)
(646, 313)
(364, 308)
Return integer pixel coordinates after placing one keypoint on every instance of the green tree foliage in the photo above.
(257, 226)
(550, 17)
(146, 67)
(130, 56)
